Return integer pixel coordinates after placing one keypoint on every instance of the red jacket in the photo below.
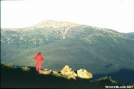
(39, 58)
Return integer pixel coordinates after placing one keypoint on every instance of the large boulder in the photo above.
(82, 73)
(68, 72)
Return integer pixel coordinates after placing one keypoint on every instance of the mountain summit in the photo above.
(55, 24)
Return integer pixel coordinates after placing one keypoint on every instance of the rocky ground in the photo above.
(26, 77)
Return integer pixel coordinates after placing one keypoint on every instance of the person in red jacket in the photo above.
(38, 58)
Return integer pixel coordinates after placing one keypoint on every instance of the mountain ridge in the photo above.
(56, 24)
(78, 46)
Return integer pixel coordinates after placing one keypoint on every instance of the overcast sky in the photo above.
(114, 14)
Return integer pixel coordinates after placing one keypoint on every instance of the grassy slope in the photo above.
(17, 78)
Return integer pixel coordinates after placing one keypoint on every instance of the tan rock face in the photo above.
(67, 71)
(82, 73)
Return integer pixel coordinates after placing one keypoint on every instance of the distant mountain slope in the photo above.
(129, 35)
(40, 34)
(68, 43)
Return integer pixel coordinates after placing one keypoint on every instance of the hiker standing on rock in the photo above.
(38, 58)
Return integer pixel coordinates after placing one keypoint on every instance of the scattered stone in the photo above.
(56, 74)
(45, 72)
(82, 73)
(25, 68)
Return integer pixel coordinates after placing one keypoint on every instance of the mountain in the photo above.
(129, 35)
(98, 50)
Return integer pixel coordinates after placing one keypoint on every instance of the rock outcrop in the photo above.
(83, 73)
(68, 72)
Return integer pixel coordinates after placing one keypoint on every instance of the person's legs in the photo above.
(39, 66)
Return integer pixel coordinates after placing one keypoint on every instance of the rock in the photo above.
(56, 73)
(45, 71)
(25, 68)
(82, 73)
(67, 71)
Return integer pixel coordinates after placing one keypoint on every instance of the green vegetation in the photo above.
(98, 50)
(106, 80)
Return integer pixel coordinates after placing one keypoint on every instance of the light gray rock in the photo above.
(83, 73)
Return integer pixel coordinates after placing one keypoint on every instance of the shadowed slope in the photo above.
(12, 77)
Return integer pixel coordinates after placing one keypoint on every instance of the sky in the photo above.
(113, 14)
